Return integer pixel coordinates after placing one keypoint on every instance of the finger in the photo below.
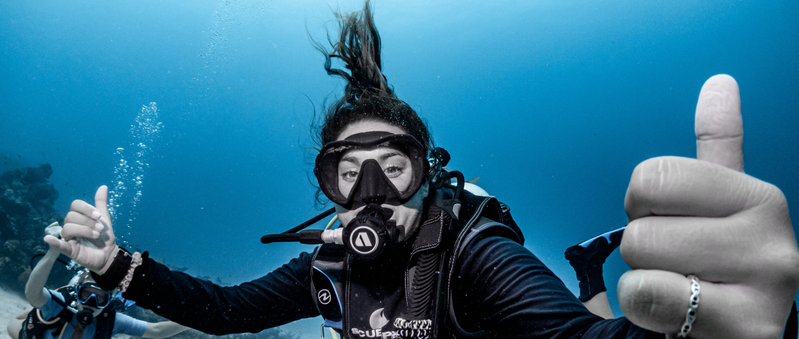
(681, 186)
(53, 241)
(80, 219)
(82, 207)
(718, 123)
(101, 201)
(717, 249)
(659, 300)
(62, 246)
(73, 231)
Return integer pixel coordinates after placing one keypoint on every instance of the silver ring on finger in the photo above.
(693, 304)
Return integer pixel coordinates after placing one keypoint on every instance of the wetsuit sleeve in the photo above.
(52, 308)
(126, 324)
(279, 297)
(502, 288)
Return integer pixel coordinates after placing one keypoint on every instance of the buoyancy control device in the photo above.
(408, 298)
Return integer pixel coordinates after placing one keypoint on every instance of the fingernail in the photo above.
(98, 226)
(95, 234)
(96, 215)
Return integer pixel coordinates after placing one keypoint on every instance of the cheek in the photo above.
(405, 215)
(345, 215)
(408, 219)
(403, 181)
(344, 187)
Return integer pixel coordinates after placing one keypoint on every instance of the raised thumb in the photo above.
(718, 124)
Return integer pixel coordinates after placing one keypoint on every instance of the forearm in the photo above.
(280, 297)
(34, 288)
(163, 329)
(512, 294)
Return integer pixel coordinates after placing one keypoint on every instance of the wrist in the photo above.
(114, 270)
(111, 260)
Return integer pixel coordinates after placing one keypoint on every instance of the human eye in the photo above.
(349, 175)
(393, 170)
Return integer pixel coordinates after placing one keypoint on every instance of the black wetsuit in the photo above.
(499, 286)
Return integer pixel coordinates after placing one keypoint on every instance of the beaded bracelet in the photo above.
(690, 316)
(123, 285)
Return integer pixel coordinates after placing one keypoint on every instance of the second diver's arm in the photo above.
(35, 292)
(163, 329)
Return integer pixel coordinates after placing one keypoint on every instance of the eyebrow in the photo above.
(382, 157)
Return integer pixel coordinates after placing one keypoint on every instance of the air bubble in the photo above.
(143, 131)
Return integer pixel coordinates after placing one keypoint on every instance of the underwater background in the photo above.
(197, 113)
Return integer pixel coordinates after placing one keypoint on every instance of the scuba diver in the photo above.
(81, 309)
(418, 256)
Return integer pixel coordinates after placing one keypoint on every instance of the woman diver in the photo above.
(419, 257)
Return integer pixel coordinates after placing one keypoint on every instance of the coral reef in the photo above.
(26, 208)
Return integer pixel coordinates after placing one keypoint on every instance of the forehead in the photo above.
(369, 126)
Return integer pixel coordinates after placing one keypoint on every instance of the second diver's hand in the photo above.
(88, 237)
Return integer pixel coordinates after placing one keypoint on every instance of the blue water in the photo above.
(550, 103)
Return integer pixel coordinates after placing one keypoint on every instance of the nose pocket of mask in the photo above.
(372, 186)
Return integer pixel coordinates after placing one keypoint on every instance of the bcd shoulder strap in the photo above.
(485, 216)
(327, 283)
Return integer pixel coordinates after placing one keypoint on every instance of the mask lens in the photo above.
(389, 167)
(394, 165)
(93, 296)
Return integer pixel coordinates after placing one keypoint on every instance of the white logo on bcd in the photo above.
(324, 296)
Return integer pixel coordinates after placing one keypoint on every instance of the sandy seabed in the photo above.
(12, 304)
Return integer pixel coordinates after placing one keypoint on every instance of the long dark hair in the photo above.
(367, 95)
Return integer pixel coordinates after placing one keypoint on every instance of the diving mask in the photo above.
(353, 182)
(90, 294)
